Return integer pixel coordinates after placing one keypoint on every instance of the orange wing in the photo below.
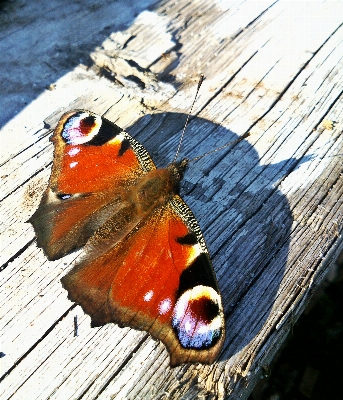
(94, 160)
(159, 279)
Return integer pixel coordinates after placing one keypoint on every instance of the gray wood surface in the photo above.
(270, 207)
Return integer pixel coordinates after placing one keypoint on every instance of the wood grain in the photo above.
(270, 207)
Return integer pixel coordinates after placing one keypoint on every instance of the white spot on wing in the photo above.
(148, 295)
(73, 151)
(73, 164)
(164, 306)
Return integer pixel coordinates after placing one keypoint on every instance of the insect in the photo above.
(144, 262)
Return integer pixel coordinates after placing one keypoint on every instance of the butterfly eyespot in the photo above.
(197, 318)
(81, 128)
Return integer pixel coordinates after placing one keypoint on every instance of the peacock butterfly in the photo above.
(144, 262)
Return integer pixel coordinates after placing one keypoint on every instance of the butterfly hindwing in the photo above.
(160, 279)
(94, 160)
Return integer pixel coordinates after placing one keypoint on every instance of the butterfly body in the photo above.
(144, 262)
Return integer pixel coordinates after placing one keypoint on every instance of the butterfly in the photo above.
(144, 262)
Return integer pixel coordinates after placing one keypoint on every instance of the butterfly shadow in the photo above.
(245, 219)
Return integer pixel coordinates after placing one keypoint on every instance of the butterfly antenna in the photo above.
(222, 147)
(107, 110)
(188, 116)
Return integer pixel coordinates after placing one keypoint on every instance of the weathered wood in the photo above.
(270, 207)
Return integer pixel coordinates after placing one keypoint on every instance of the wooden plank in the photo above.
(270, 207)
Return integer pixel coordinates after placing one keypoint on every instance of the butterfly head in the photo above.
(177, 170)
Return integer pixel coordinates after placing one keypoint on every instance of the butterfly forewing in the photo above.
(94, 162)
